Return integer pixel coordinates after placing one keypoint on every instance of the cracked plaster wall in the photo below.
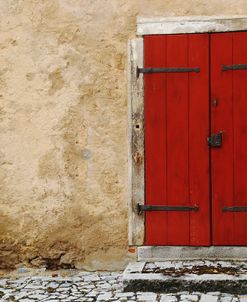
(63, 126)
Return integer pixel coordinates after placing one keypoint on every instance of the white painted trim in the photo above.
(195, 24)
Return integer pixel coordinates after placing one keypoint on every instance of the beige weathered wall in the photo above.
(63, 123)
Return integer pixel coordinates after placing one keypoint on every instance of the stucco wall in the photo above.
(63, 125)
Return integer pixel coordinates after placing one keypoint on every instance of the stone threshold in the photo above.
(190, 276)
(164, 253)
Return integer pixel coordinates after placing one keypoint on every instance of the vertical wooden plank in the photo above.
(239, 112)
(177, 140)
(199, 187)
(221, 120)
(155, 138)
(136, 143)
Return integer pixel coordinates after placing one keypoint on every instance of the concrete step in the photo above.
(164, 253)
(191, 276)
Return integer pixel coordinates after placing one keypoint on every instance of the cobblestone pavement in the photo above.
(84, 286)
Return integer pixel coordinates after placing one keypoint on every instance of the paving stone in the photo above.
(166, 298)
(92, 278)
(65, 285)
(214, 293)
(189, 298)
(226, 299)
(6, 290)
(104, 297)
(37, 296)
(92, 294)
(147, 297)
(87, 286)
(209, 298)
(105, 286)
(3, 282)
(122, 295)
(19, 295)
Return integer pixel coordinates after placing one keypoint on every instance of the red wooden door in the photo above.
(229, 163)
(176, 128)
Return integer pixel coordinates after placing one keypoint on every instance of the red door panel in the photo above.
(229, 163)
(176, 127)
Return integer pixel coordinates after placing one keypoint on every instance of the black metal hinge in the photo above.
(235, 209)
(143, 208)
(234, 67)
(166, 70)
(215, 140)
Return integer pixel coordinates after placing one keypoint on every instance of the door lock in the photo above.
(215, 140)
